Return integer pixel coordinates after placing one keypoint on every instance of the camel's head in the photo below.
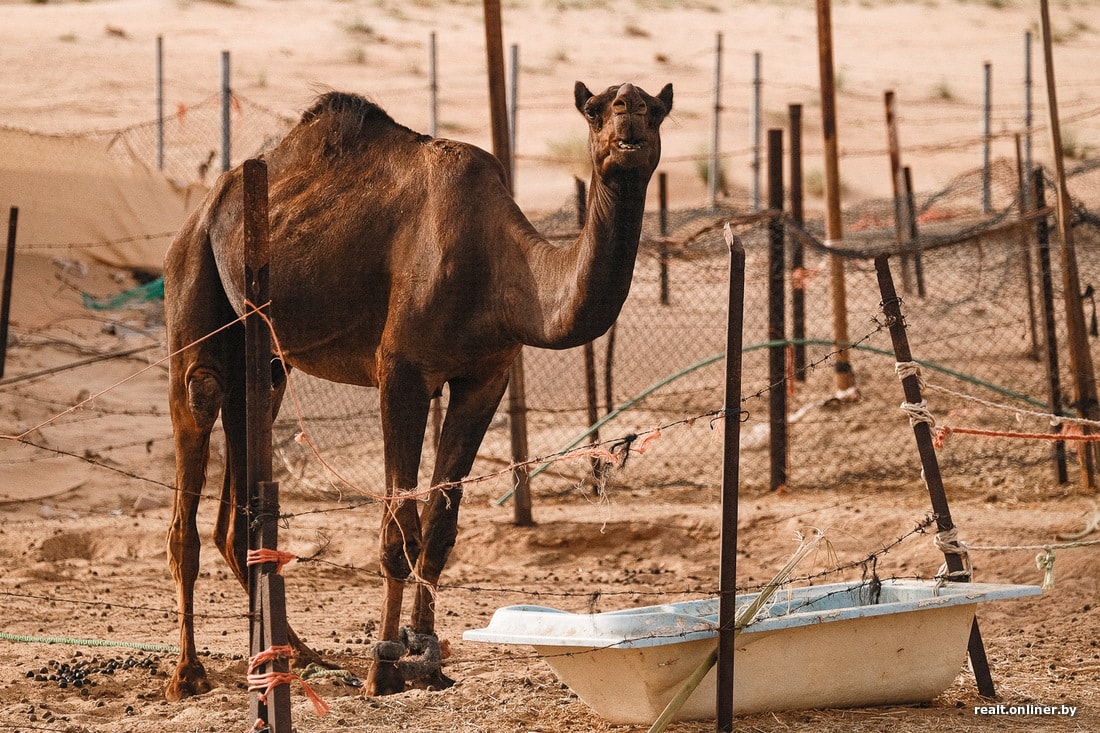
(624, 127)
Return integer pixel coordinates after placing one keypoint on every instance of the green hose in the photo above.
(71, 641)
(754, 347)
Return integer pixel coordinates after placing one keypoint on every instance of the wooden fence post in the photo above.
(502, 149)
(159, 90)
(714, 165)
(834, 226)
(1080, 357)
(1023, 207)
(930, 467)
(591, 391)
(731, 453)
(266, 592)
(433, 87)
(987, 135)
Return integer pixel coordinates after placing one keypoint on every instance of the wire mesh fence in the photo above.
(974, 320)
(975, 329)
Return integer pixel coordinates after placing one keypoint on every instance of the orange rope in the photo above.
(264, 554)
(270, 654)
(265, 682)
(1071, 434)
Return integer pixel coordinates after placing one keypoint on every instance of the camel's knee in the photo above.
(204, 397)
(398, 562)
(399, 555)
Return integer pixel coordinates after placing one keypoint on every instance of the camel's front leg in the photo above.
(470, 409)
(403, 401)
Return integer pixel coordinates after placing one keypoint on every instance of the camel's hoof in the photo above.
(384, 678)
(435, 681)
(305, 657)
(189, 680)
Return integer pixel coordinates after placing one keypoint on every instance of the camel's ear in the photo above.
(666, 97)
(582, 95)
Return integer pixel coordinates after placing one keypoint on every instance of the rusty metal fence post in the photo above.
(267, 595)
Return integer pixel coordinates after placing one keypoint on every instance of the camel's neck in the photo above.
(579, 290)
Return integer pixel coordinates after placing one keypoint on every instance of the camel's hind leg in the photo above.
(195, 398)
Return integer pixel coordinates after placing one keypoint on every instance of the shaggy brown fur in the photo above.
(397, 261)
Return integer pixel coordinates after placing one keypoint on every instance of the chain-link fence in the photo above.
(977, 328)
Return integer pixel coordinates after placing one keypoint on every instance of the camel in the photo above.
(402, 262)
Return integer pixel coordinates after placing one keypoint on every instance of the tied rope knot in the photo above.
(905, 369)
(948, 542)
(1045, 562)
(265, 682)
(918, 412)
(266, 555)
(415, 655)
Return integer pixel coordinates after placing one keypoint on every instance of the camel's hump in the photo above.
(350, 119)
(346, 104)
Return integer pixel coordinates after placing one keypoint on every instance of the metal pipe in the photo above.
(1050, 334)
(930, 467)
(798, 249)
(513, 108)
(1028, 114)
(757, 123)
(777, 357)
(5, 299)
(433, 88)
(227, 95)
(159, 83)
(987, 135)
(714, 167)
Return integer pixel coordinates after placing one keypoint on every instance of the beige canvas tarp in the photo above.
(79, 198)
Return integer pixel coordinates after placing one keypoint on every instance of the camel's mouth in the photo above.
(624, 145)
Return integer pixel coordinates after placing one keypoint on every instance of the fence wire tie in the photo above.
(948, 542)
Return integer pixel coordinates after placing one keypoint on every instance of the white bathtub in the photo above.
(815, 647)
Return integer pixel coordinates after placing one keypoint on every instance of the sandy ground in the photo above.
(83, 515)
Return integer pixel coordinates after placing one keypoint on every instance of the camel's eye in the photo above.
(593, 109)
